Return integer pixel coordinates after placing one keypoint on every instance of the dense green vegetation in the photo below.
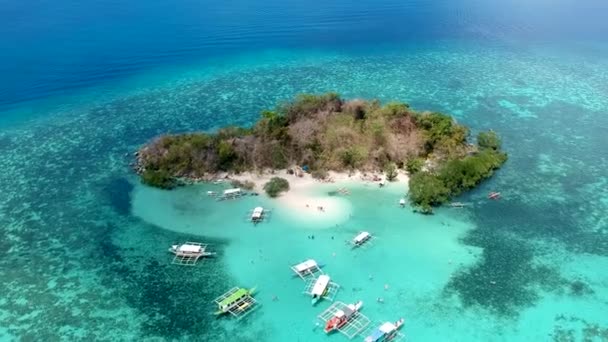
(324, 132)
(390, 170)
(432, 188)
(275, 186)
(158, 178)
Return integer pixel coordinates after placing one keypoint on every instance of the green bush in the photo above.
(456, 176)
(351, 157)
(463, 174)
(394, 109)
(307, 104)
(414, 165)
(488, 139)
(391, 171)
(427, 190)
(275, 186)
(158, 178)
(226, 154)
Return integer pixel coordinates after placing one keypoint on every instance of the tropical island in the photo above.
(325, 133)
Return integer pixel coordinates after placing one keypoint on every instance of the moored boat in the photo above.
(234, 299)
(320, 288)
(257, 215)
(306, 268)
(342, 316)
(385, 332)
(361, 238)
(190, 250)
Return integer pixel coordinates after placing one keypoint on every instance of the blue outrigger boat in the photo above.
(385, 332)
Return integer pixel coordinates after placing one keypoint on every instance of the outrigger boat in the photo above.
(385, 332)
(342, 316)
(235, 300)
(306, 268)
(257, 215)
(361, 238)
(190, 249)
(231, 194)
(494, 195)
(320, 288)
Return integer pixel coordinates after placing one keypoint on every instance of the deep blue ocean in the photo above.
(53, 47)
(83, 84)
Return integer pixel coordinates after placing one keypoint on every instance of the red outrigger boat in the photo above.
(494, 195)
(341, 317)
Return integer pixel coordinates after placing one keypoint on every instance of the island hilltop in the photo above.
(323, 133)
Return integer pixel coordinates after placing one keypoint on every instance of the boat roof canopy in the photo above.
(258, 210)
(232, 191)
(387, 327)
(303, 266)
(189, 248)
(362, 236)
(234, 297)
(320, 285)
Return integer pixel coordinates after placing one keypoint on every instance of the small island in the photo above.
(324, 133)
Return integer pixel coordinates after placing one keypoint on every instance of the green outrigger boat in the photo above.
(236, 301)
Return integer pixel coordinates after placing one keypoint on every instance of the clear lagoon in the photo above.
(84, 244)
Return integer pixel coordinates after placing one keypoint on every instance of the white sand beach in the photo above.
(308, 198)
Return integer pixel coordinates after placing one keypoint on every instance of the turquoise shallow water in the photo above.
(528, 267)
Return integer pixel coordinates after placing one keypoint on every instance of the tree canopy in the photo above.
(275, 186)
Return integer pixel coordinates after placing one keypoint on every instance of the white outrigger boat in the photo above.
(361, 238)
(257, 215)
(190, 249)
(320, 288)
(306, 268)
(342, 316)
(385, 332)
(188, 253)
(231, 194)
